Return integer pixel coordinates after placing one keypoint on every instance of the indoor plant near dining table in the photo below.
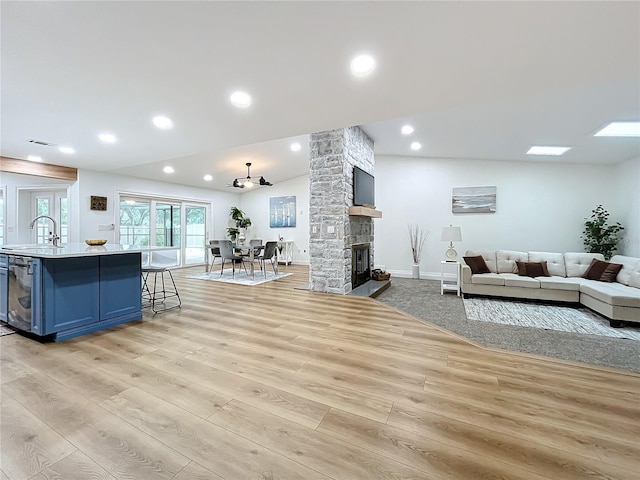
(242, 222)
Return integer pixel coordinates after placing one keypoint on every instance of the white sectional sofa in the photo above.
(618, 300)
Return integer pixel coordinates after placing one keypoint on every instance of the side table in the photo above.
(448, 284)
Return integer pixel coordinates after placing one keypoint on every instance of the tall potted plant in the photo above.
(242, 222)
(417, 237)
(598, 236)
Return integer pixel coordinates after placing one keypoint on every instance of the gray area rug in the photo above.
(548, 316)
(240, 278)
(422, 299)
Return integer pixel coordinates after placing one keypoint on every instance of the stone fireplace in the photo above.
(333, 232)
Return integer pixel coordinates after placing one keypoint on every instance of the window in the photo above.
(175, 223)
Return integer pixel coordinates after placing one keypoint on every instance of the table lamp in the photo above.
(451, 234)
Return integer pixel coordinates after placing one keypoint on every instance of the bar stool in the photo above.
(158, 265)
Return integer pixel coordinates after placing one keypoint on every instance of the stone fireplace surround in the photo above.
(333, 232)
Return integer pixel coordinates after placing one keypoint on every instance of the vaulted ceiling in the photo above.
(477, 80)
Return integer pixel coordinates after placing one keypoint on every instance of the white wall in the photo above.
(540, 206)
(255, 204)
(627, 186)
(109, 185)
(84, 221)
(15, 186)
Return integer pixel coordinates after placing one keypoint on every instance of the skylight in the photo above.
(620, 129)
(555, 151)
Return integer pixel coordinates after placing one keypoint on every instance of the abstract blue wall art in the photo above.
(282, 212)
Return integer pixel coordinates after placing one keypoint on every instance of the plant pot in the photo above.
(415, 272)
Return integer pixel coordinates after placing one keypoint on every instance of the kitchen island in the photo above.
(56, 293)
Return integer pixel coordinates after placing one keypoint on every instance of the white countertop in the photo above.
(74, 250)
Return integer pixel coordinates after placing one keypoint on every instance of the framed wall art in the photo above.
(282, 212)
(98, 203)
(473, 200)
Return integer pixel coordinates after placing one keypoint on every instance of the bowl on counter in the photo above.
(95, 242)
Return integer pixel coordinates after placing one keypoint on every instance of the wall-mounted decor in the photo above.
(473, 200)
(282, 212)
(98, 203)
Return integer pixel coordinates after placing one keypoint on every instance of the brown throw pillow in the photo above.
(533, 269)
(611, 272)
(477, 264)
(595, 269)
(602, 271)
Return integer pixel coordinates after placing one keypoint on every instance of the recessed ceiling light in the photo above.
(168, 169)
(407, 130)
(416, 146)
(208, 177)
(620, 129)
(295, 147)
(362, 65)
(67, 150)
(34, 158)
(537, 150)
(240, 99)
(162, 122)
(107, 138)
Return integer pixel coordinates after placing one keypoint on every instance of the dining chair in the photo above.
(159, 263)
(215, 252)
(227, 253)
(269, 253)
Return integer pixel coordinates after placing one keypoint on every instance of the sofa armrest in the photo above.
(466, 273)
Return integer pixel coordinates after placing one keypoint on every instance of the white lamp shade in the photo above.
(451, 234)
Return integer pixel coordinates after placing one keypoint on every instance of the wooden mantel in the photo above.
(365, 212)
(15, 165)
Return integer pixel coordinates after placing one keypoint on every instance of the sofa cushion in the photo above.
(488, 279)
(532, 269)
(506, 260)
(615, 294)
(561, 283)
(489, 257)
(630, 268)
(576, 263)
(634, 277)
(555, 262)
(476, 264)
(513, 280)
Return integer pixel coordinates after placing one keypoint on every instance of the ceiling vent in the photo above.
(40, 142)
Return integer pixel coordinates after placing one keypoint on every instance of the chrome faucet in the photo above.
(54, 236)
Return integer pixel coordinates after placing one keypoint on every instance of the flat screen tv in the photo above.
(363, 188)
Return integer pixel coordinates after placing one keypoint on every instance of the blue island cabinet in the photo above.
(86, 294)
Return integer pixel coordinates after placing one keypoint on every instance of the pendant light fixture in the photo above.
(248, 182)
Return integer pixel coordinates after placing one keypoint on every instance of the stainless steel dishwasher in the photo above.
(22, 283)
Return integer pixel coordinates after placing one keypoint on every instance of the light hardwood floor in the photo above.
(269, 382)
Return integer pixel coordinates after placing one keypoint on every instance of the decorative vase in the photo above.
(415, 273)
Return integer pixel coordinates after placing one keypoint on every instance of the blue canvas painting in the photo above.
(473, 200)
(282, 212)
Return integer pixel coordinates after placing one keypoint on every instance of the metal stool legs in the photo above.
(160, 294)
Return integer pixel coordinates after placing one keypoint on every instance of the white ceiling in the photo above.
(477, 80)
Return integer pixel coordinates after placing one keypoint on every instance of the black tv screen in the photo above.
(363, 188)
